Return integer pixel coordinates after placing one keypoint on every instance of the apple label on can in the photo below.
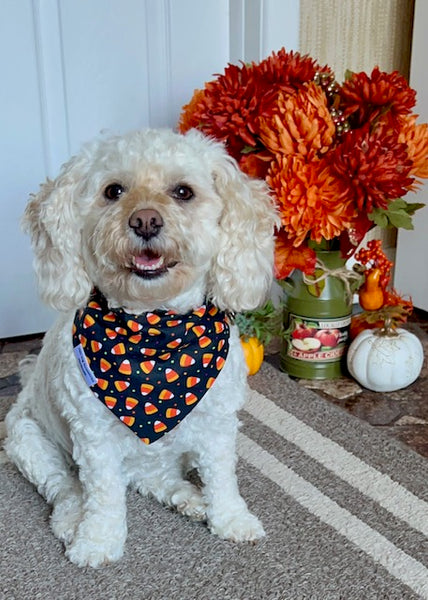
(317, 339)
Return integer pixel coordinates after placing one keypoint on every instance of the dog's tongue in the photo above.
(148, 260)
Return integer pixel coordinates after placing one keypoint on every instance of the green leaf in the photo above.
(316, 289)
(263, 323)
(249, 149)
(398, 214)
(378, 218)
(398, 203)
(412, 207)
(401, 219)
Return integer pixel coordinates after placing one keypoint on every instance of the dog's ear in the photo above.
(243, 270)
(53, 220)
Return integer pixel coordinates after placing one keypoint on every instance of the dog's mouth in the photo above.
(150, 264)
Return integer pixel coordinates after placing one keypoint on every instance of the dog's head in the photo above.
(153, 219)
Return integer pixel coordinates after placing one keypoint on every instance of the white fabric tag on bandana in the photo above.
(88, 375)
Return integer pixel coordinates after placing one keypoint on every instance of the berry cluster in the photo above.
(331, 89)
(373, 257)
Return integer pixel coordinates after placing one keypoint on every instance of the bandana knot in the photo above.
(150, 370)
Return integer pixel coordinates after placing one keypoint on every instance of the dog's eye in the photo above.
(114, 191)
(182, 192)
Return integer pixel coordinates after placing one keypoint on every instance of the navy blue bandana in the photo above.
(152, 369)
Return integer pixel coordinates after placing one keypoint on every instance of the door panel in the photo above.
(72, 69)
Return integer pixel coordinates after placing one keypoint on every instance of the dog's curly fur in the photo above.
(215, 242)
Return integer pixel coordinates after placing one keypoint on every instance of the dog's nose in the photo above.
(146, 222)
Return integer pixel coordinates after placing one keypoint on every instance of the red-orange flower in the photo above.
(365, 98)
(312, 202)
(351, 238)
(256, 164)
(374, 167)
(285, 72)
(288, 70)
(228, 108)
(288, 257)
(299, 124)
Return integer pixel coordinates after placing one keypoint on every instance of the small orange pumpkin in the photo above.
(253, 352)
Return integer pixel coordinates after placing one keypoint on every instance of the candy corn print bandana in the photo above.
(149, 370)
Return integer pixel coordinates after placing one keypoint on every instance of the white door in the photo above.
(73, 68)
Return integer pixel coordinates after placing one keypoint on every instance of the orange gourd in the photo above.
(371, 293)
(253, 352)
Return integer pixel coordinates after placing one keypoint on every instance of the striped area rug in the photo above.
(345, 510)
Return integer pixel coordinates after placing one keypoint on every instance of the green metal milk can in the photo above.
(317, 318)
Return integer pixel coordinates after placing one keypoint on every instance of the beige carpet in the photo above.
(345, 510)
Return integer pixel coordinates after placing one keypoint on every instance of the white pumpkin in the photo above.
(386, 362)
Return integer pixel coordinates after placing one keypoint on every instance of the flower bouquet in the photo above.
(337, 158)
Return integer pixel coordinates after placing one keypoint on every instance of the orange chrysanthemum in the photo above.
(312, 202)
(189, 118)
(300, 124)
(416, 138)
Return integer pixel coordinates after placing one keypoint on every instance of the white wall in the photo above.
(73, 68)
(411, 270)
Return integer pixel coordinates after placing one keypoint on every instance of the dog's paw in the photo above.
(65, 517)
(87, 553)
(189, 502)
(84, 554)
(96, 546)
(242, 527)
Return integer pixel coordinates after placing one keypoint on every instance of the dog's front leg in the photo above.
(101, 534)
(227, 513)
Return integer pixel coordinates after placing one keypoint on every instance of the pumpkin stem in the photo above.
(388, 329)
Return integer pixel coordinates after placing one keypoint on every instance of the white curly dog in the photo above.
(153, 221)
